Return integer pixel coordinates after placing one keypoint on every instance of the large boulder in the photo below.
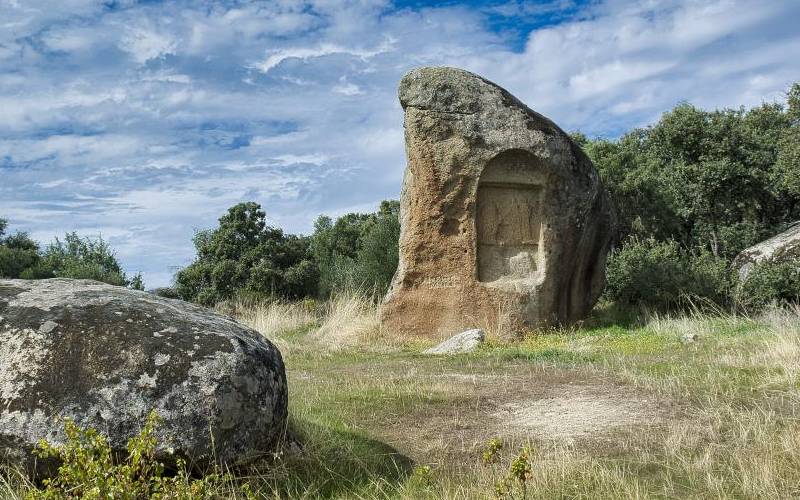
(782, 247)
(106, 357)
(504, 220)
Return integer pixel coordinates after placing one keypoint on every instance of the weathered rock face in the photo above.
(503, 216)
(106, 356)
(784, 246)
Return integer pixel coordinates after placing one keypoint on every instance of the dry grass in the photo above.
(13, 484)
(782, 348)
(350, 319)
(735, 433)
(500, 326)
(275, 318)
(373, 413)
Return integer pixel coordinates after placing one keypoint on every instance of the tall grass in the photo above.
(499, 325)
(276, 318)
(782, 348)
(350, 319)
(13, 483)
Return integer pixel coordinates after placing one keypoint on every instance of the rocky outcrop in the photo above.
(106, 357)
(504, 218)
(784, 246)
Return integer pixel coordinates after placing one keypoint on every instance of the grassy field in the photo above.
(694, 406)
(678, 407)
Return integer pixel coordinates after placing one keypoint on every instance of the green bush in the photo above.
(245, 257)
(84, 258)
(358, 251)
(771, 282)
(378, 255)
(712, 278)
(19, 256)
(167, 292)
(661, 275)
(75, 257)
(88, 469)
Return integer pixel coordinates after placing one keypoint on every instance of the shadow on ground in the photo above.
(333, 463)
(606, 315)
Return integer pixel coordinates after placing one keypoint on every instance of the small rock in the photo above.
(466, 341)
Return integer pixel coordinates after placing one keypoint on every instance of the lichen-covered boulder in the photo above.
(781, 247)
(105, 357)
(504, 220)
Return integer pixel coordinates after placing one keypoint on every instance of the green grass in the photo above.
(730, 431)
(380, 420)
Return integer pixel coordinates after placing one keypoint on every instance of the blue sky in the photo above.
(144, 121)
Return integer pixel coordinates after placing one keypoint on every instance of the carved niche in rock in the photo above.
(509, 219)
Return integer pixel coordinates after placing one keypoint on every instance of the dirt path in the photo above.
(574, 412)
(521, 403)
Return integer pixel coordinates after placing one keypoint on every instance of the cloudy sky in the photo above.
(143, 121)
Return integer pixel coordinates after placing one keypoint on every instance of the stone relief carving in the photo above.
(509, 220)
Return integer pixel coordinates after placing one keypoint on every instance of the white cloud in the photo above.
(347, 88)
(613, 75)
(276, 57)
(643, 57)
(149, 121)
(70, 40)
(144, 44)
(313, 159)
(52, 184)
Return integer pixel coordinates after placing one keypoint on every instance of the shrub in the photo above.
(335, 247)
(358, 251)
(244, 256)
(89, 470)
(662, 275)
(712, 278)
(514, 481)
(19, 256)
(75, 257)
(167, 292)
(771, 282)
(379, 253)
(84, 258)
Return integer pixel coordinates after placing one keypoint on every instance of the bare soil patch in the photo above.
(521, 403)
(584, 411)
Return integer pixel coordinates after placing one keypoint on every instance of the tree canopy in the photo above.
(245, 256)
(74, 257)
(692, 191)
(721, 180)
(358, 251)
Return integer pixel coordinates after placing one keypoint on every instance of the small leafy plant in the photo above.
(422, 478)
(514, 482)
(492, 452)
(89, 470)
